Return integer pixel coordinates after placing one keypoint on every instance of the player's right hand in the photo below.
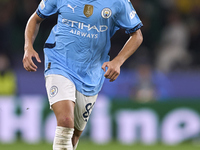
(28, 61)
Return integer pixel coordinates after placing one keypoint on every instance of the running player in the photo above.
(76, 57)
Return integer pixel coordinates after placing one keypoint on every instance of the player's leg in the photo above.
(64, 112)
(61, 94)
(82, 111)
(75, 138)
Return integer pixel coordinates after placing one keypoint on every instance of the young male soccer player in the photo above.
(76, 57)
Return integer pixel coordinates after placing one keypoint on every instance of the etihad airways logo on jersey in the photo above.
(81, 26)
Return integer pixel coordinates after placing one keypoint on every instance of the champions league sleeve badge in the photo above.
(42, 4)
(106, 13)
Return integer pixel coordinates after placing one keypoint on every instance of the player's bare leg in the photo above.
(75, 138)
(64, 112)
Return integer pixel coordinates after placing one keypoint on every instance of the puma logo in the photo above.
(71, 7)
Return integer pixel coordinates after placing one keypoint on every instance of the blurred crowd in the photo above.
(171, 31)
(171, 36)
(14, 16)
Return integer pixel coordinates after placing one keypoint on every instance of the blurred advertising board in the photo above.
(171, 122)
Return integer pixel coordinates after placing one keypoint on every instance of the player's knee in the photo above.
(65, 121)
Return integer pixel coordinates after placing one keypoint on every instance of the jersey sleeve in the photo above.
(47, 8)
(127, 18)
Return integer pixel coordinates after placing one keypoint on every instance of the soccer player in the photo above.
(77, 59)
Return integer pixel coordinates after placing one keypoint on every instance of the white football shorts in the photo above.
(60, 88)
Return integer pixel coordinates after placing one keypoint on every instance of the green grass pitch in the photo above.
(85, 145)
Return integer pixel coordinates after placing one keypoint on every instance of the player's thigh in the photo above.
(83, 108)
(61, 94)
(59, 88)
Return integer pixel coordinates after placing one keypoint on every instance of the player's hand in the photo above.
(113, 70)
(28, 61)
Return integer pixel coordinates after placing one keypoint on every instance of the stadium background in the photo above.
(155, 100)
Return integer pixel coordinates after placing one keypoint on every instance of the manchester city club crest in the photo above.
(53, 91)
(88, 10)
(106, 13)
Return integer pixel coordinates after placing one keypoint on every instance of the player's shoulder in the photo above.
(53, 2)
(121, 3)
(124, 1)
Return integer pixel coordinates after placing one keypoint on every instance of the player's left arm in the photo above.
(113, 67)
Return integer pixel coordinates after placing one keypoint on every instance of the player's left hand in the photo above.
(113, 70)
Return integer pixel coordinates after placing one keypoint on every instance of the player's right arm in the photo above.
(31, 32)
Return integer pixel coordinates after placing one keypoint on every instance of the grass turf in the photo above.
(85, 145)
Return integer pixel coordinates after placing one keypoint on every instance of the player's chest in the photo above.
(92, 11)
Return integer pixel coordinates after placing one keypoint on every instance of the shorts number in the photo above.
(88, 107)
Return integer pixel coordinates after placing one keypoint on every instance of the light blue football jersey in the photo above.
(79, 44)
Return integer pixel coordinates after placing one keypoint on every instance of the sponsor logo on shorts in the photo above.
(53, 91)
(106, 13)
(86, 114)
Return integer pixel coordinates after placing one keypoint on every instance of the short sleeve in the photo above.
(47, 8)
(127, 17)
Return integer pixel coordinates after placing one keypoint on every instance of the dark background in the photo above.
(168, 60)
